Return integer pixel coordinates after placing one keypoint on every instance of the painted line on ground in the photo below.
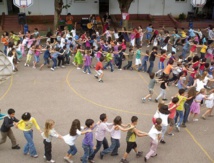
(8, 89)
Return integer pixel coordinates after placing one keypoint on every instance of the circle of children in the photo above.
(191, 74)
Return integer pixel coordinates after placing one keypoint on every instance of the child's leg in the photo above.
(164, 129)
(29, 147)
(161, 94)
(153, 149)
(48, 149)
(206, 113)
(11, 137)
(73, 151)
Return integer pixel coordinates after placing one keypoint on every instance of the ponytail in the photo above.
(158, 122)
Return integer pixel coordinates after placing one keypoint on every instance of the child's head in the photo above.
(203, 60)
(181, 91)
(147, 52)
(163, 51)
(171, 62)
(154, 48)
(173, 53)
(11, 112)
(212, 63)
(152, 75)
(158, 125)
(207, 65)
(101, 59)
(175, 100)
(48, 126)
(160, 104)
(192, 92)
(164, 109)
(195, 68)
(103, 117)
(189, 59)
(134, 120)
(74, 126)
(26, 116)
(117, 120)
(203, 91)
(89, 123)
(196, 58)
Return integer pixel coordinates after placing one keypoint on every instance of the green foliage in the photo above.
(182, 16)
(66, 6)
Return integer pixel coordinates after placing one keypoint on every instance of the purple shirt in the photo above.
(88, 139)
(87, 60)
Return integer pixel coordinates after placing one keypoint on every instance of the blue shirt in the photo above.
(47, 54)
(55, 54)
(149, 29)
(191, 33)
(186, 45)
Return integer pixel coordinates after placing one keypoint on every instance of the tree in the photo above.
(124, 8)
(58, 4)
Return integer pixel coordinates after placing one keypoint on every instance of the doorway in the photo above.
(103, 6)
(12, 9)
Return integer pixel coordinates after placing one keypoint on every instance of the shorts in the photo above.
(171, 122)
(148, 36)
(151, 91)
(99, 72)
(130, 146)
(137, 62)
(37, 59)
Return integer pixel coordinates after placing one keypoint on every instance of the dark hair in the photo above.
(164, 109)
(207, 65)
(195, 68)
(155, 48)
(181, 91)
(26, 116)
(172, 52)
(158, 122)
(203, 59)
(212, 63)
(175, 100)
(152, 75)
(10, 111)
(48, 47)
(147, 51)
(171, 62)
(74, 126)
(134, 119)
(89, 122)
(195, 58)
(163, 51)
(101, 59)
(117, 120)
(103, 117)
(189, 59)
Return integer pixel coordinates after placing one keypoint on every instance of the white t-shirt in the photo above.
(108, 34)
(164, 117)
(52, 133)
(116, 134)
(73, 31)
(70, 140)
(199, 85)
(62, 43)
(116, 36)
(153, 133)
(206, 79)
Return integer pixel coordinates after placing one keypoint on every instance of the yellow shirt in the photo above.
(183, 34)
(182, 100)
(204, 49)
(28, 125)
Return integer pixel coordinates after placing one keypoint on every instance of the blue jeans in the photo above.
(98, 146)
(184, 53)
(73, 150)
(151, 65)
(109, 64)
(186, 113)
(116, 59)
(179, 114)
(29, 147)
(54, 62)
(161, 65)
(113, 149)
(144, 65)
(88, 150)
(87, 68)
(5, 49)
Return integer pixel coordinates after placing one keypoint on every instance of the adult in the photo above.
(210, 34)
(107, 18)
(69, 21)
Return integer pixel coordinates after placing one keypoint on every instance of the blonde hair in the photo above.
(48, 126)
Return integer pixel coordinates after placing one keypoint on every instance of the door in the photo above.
(12, 9)
(103, 6)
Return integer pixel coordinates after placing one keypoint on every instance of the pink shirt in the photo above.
(101, 130)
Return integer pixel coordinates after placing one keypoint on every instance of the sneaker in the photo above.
(145, 159)
(150, 99)
(44, 157)
(203, 117)
(63, 66)
(84, 72)
(78, 68)
(120, 69)
(35, 156)
(52, 69)
(177, 128)
(96, 76)
(114, 154)
(101, 81)
(52, 161)
(25, 64)
(16, 147)
(34, 67)
(156, 100)
(139, 154)
(148, 46)
(89, 73)
(124, 161)
(164, 99)
(68, 159)
(195, 120)
(91, 161)
(101, 156)
(143, 100)
(28, 65)
(183, 125)
(162, 142)
(171, 134)
(154, 155)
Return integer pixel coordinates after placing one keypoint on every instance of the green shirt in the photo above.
(138, 54)
(108, 57)
(131, 136)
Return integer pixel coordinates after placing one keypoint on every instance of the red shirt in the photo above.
(162, 58)
(193, 48)
(137, 34)
(99, 66)
(202, 66)
(193, 75)
(195, 64)
(173, 111)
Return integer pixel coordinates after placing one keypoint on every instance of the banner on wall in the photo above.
(125, 16)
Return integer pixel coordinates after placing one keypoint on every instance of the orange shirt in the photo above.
(4, 41)
(168, 69)
(99, 66)
(69, 19)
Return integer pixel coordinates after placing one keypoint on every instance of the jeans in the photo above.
(151, 65)
(87, 68)
(29, 147)
(98, 146)
(144, 65)
(186, 113)
(54, 62)
(5, 49)
(128, 66)
(163, 131)
(73, 150)
(191, 81)
(137, 41)
(61, 59)
(184, 53)
(116, 59)
(67, 59)
(109, 64)
(88, 150)
(119, 63)
(113, 149)
(162, 93)
(179, 114)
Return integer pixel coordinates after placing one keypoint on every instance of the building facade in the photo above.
(84, 7)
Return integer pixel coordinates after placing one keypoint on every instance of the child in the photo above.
(152, 59)
(172, 108)
(87, 62)
(161, 62)
(109, 60)
(209, 105)
(115, 137)
(87, 143)
(78, 58)
(137, 58)
(195, 107)
(163, 86)
(144, 62)
(29, 55)
(100, 133)
(151, 87)
(26, 125)
(71, 137)
(202, 65)
(36, 55)
(47, 56)
(54, 58)
(99, 72)
(47, 135)
(9, 121)
(131, 140)
(155, 134)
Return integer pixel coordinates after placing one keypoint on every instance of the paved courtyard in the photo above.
(66, 94)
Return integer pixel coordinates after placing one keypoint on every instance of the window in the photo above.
(79, 1)
(180, 0)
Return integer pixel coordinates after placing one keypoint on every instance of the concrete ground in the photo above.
(67, 94)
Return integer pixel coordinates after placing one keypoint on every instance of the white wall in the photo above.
(3, 7)
(46, 7)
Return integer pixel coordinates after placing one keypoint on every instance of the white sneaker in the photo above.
(195, 120)
(52, 161)
(44, 157)
(78, 68)
(148, 46)
(67, 159)
(143, 100)
(62, 66)
(52, 69)
(34, 67)
(25, 64)
(28, 65)
(84, 72)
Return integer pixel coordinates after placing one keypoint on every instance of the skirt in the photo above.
(195, 108)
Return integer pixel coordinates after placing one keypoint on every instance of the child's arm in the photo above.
(139, 133)
(125, 129)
